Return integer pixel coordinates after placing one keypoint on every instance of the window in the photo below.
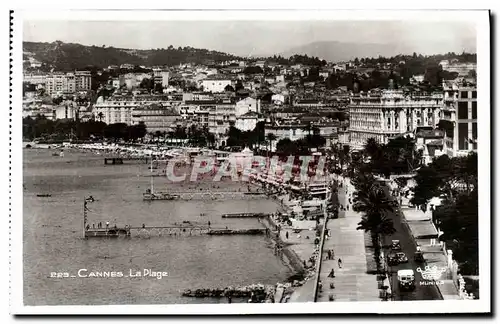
(474, 94)
(474, 110)
(463, 136)
(463, 110)
(464, 94)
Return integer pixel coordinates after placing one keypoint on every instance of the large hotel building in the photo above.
(388, 113)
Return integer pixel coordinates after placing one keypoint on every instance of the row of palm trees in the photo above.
(374, 203)
(371, 200)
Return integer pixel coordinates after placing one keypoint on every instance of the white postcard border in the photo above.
(460, 306)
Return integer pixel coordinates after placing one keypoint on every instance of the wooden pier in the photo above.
(157, 231)
(245, 215)
(216, 195)
(121, 160)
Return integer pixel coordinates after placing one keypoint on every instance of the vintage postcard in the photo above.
(249, 162)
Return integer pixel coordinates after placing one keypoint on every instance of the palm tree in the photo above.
(373, 202)
(271, 137)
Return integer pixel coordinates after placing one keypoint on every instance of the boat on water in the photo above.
(44, 195)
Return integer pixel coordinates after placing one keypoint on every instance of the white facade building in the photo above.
(390, 113)
(215, 85)
(57, 84)
(247, 105)
(247, 122)
(66, 112)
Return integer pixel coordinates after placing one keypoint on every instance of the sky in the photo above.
(245, 38)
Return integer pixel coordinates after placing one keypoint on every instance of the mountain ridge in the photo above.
(336, 51)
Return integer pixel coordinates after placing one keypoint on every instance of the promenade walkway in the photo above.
(351, 281)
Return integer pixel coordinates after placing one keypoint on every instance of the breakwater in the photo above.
(257, 293)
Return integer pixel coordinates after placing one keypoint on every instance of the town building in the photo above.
(462, 69)
(430, 141)
(127, 66)
(83, 80)
(216, 83)
(161, 77)
(118, 109)
(59, 84)
(246, 105)
(35, 78)
(66, 111)
(247, 122)
(459, 116)
(156, 117)
(384, 114)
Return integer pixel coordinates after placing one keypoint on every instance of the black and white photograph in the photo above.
(226, 162)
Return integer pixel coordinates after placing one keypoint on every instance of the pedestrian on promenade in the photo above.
(333, 254)
(286, 235)
(332, 273)
(329, 254)
(208, 223)
(107, 225)
(93, 225)
(340, 263)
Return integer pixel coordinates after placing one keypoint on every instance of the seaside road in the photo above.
(408, 246)
(351, 281)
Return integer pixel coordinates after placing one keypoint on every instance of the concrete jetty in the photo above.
(245, 215)
(249, 231)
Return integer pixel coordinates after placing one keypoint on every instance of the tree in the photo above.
(57, 101)
(445, 177)
(158, 88)
(458, 220)
(271, 137)
(229, 88)
(147, 83)
(375, 204)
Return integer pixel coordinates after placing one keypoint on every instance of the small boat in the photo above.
(44, 195)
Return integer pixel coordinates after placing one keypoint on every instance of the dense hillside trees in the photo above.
(69, 56)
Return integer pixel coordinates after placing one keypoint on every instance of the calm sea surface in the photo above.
(53, 236)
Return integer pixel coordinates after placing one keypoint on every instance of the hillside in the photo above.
(68, 56)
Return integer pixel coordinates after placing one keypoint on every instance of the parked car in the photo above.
(395, 245)
(402, 258)
(419, 257)
(396, 258)
(392, 259)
